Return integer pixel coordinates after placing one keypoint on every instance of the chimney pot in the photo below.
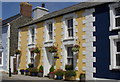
(43, 5)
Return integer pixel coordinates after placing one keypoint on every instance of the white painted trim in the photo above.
(46, 30)
(2, 59)
(8, 45)
(67, 41)
(113, 52)
(64, 26)
(112, 16)
(89, 29)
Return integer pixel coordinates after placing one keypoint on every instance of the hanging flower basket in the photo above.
(56, 56)
(75, 48)
(37, 50)
(18, 52)
(32, 50)
(52, 49)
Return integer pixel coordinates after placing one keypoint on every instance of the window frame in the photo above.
(46, 31)
(113, 16)
(1, 58)
(113, 52)
(30, 34)
(50, 32)
(70, 28)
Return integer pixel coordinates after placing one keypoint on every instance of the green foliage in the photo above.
(70, 73)
(68, 67)
(36, 50)
(82, 75)
(52, 49)
(59, 72)
(33, 70)
(18, 52)
(52, 69)
(75, 48)
(41, 68)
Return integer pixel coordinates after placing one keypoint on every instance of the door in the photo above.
(48, 61)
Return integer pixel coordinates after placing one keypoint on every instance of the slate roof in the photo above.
(8, 20)
(70, 9)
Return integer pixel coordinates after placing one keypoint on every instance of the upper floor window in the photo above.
(70, 27)
(50, 31)
(114, 16)
(32, 34)
(117, 17)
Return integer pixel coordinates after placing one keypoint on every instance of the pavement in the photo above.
(23, 78)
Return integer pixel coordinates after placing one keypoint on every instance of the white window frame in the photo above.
(1, 59)
(113, 52)
(30, 35)
(112, 16)
(65, 31)
(46, 35)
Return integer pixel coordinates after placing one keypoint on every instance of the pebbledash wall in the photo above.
(102, 43)
(58, 40)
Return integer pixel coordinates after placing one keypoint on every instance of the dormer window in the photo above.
(70, 27)
(114, 16)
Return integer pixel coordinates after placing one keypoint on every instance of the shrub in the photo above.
(41, 69)
(31, 65)
(59, 72)
(68, 67)
(70, 73)
(52, 69)
(33, 70)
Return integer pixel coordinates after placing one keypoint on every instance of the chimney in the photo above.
(26, 9)
(39, 11)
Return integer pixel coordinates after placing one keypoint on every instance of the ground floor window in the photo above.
(70, 58)
(115, 52)
(0, 58)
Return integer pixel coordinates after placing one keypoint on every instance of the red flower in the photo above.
(51, 72)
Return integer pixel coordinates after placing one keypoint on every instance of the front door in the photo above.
(48, 61)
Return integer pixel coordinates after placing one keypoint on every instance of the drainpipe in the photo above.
(9, 49)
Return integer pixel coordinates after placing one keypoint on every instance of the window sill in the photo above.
(114, 68)
(114, 28)
(69, 39)
(47, 42)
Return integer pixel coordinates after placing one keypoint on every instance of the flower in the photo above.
(75, 48)
(51, 72)
(52, 49)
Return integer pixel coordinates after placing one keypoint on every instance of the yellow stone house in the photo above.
(62, 29)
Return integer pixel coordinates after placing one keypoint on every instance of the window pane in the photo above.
(117, 21)
(70, 23)
(0, 54)
(117, 59)
(118, 46)
(117, 11)
(69, 50)
(33, 31)
(0, 61)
